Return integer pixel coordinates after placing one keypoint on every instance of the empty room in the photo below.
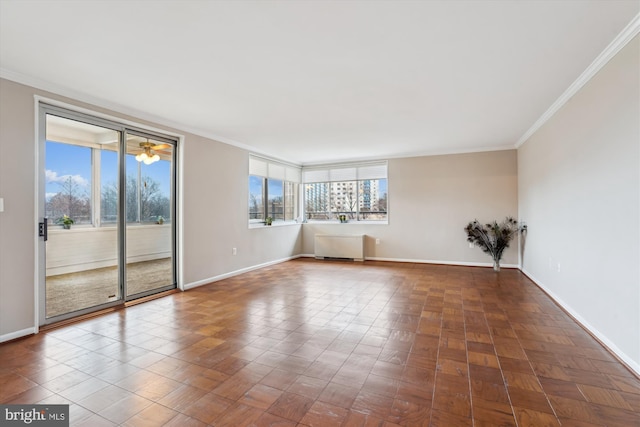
(320, 213)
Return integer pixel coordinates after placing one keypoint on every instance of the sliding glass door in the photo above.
(149, 214)
(107, 208)
(81, 255)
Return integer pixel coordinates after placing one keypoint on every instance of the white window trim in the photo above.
(357, 175)
(269, 168)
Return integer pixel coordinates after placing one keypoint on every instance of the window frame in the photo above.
(96, 186)
(92, 197)
(266, 210)
(268, 170)
(344, 175)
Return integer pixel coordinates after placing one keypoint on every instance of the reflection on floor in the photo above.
(76, 291)
(329, 343)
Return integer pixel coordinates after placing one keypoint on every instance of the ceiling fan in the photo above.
(148, 156)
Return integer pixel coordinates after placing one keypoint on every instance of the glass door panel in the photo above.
(107, 196)
(149, 214)
(81, 207)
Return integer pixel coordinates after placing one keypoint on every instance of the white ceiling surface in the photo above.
(314, 81)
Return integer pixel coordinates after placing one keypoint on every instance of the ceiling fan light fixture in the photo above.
(146, 157)
(151, 159)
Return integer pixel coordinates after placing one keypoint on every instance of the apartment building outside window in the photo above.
(358, 191)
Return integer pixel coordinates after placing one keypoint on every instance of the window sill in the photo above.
(315, 222)
(55, 228)
(253, 225)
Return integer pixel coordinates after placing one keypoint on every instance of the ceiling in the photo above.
(316, 81)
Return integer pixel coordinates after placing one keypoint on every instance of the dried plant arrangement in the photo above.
(493, 238)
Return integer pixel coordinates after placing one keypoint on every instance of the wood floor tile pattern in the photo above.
(327, 343)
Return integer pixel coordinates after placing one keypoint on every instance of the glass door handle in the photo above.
(43, 230)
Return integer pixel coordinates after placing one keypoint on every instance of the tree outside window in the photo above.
(362, 200)
(68, 182)
(276, 197)
(69, 170)
(256, 200)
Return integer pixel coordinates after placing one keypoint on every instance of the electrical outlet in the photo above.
(471, 245)
(234, 251)
(377, 241)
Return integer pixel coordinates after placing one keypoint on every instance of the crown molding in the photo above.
(120, 109)
(621, 40)
(409, 154)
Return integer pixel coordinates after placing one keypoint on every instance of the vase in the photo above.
(496, 265)
(66, 226)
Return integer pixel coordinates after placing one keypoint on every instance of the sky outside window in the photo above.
(68, 182)
(66, 162)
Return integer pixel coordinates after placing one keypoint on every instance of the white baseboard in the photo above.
(441, 262)
(611, 347)
(428, 261)
(236, 273)
(18, 334)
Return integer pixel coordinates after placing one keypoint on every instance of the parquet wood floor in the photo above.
(323, 343)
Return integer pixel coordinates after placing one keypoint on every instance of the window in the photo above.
(358, 191)
(316, 196)
(256, 199)
(273, 190)
(148, 188)
(82, 176)
(68, 182)
(109, 187)
(291, 190)
(275, 201)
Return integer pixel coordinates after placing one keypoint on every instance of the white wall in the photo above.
(17, 182)
(579, 191)
(216, 215)
(85, 248)
(431, 200)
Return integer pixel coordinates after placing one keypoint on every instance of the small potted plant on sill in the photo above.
(160, 220)
(493, 238)
(65, 221)
(342, 218)
(268, 220)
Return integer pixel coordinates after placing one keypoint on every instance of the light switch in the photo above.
(1, 204)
